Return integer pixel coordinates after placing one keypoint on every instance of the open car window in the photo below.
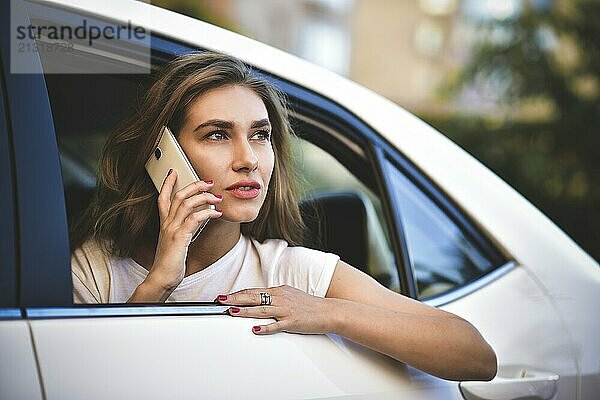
(87, 108)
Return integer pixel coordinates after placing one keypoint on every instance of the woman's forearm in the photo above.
(446, 346)
(150, 291)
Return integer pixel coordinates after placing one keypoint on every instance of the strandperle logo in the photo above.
(83, 32)
(49, 39)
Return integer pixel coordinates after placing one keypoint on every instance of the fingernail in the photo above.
(234, 310)
(219, 196)
(220, 211)
(221, 297)
(208, 182)
(256, 328)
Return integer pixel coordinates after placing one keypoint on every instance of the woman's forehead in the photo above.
(230, 103)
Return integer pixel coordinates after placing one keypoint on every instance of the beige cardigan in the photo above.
(89, 269)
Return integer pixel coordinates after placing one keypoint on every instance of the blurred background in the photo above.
(513, 82)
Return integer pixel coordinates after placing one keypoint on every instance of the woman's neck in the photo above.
(217, 238)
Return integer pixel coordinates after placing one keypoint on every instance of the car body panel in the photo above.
(214, 356)
(519, 321)
(18, 368)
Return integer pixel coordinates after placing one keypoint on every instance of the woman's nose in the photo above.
(244, 156)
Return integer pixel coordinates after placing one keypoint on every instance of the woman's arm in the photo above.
(179, 220)
(425, 337)
(360, 309)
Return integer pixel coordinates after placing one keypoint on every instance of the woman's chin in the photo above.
(239, 216)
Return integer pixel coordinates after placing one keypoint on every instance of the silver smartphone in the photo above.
(169, 155)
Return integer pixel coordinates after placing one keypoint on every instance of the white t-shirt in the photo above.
(98, 278)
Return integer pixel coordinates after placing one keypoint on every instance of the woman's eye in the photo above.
(217, 135)
(263, 135)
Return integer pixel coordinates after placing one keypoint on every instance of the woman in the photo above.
(233, 126)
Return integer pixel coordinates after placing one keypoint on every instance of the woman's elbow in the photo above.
(485, 365)
(489, 366)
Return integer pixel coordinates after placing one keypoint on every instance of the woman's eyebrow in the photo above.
(261, 123)
(219, 123)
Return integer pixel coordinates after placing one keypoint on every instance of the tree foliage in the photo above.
(549, 58)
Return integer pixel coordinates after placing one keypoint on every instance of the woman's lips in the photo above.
(244, 189)
(246, 193)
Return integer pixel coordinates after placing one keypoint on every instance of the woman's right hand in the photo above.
(180, 218)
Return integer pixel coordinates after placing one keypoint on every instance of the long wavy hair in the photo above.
(123, 215)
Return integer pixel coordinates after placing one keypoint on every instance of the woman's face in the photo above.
(226, 136)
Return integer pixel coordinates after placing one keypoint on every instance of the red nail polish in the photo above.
(219, 196)
(234, 310)
(208, 181)
(221, 297)
(219, 211)
(256, 328)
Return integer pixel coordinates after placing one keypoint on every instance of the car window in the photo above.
(86, 114)
(323, 175)
(443, 256)
(92, 89)
(87, 107)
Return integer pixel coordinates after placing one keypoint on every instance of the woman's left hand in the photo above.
(294, 310)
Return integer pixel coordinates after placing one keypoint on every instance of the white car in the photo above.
(416, 212)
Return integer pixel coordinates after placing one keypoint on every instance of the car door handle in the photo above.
(513, 382)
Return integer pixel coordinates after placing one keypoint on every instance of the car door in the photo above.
(154, 351)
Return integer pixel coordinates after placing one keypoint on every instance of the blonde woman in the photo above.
(134, 245)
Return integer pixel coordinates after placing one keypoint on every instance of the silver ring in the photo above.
(265, 299)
